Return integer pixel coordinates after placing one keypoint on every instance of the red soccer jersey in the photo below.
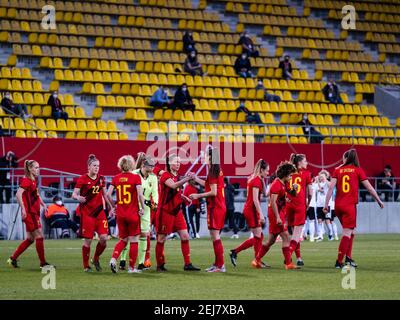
(189, 189)
(217, 202)
(127, 195)
(277, 187)
(302, 178)
(92, 189)
(30, 197)
(170, 199)
(257, 183)
(348, 179)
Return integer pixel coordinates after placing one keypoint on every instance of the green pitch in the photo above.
(377, 277)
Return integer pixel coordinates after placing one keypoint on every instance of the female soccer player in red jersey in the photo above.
(216, 209)
(129, 195)
(30, 201)
(169, 216)
(346, 178)
(276, 215)
(252, 210)
(297, 205)
(90, 191)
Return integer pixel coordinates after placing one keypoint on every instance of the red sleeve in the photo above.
(212, 180)
(274, 188)
(361, 175)
(164, 177)
(138, 180)
(186, 191)
(80, 182)
(335, 173)
(113, 182)
(308, 178)
(25, 183)
(157, 170)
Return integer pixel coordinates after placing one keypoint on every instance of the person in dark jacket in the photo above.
(251, 117)
(182, 99)
(243, 66)
(309, 131)
(6, 163)
(331, 92)
(57, 111)
(267, 96)
(386, 183)
(230, 208)
(286, 67)
(192, 65)
(188, 42)
(11, 108)
(248, 45)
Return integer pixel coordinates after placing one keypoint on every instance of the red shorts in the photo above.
(167, 223)
(296, 216)
(90, 225)
(347, 215)
(252, 218)
(32, 222)
(128, 226)
(273, 227)
(215, 219)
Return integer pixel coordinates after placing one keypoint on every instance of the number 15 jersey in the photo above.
(127, 195)
(348, 179)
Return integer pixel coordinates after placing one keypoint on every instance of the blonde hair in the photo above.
(260, 165)
(126, 163)
(140, 158)
(28, 164)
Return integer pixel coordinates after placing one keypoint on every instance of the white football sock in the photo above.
(330, 229)
(334, 227)
(312, 228)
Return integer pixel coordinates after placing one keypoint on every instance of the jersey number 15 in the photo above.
(124, 196)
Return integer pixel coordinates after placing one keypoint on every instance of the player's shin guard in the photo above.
(350, 248)
(343, 247)
(245, 245)
(297, 251)
(185, 247)
(219, 253)
(142, 249)
(133, 253)
(119, 247)
(40, 250)
(287, 255)
(21, 248)
(147, 248)
(160, 253)
(292, 246)
(101, 246)
(85, 256)
(257, 245)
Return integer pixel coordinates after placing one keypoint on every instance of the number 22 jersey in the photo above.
(92, 190)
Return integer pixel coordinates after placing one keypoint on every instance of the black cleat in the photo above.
(141, 266)
(350, 262)
(233, 256)
(46, 264)
(88, 270)
(13, 262)
(97, 265)
(122, 264)
(161, 268)
(190, 267)
(300, 263)
(338, 265)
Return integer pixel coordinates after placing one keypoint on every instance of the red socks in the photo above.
(160, 253)
(85, 256)
(350, 248)
(343, 247)
(262, 252)
(292, 246)
(245, 245)
(287, 255)
(219, 253)
(21, 248)
(185, 251)
(99, 250)
(40, 250)
(257, 245)
(297, 251)
(118, 249)
(147, 257)
(133, 253)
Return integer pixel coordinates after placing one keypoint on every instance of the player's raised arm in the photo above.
(212, 193)
(200, 181)
(373, 193)
(332, 186)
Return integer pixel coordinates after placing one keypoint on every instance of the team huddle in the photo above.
(146, 196)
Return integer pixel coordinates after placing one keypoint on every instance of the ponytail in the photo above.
(260, 165)
(140, 158)
(168, 161)
(351, 158)
(295, 158)
(28, 164)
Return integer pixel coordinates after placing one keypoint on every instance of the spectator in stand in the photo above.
(243, 66)
(387, 184)
(286, 67)
(248, 45)
(11, 108)
(309, 131)
(57, 111)
(331, 92)
(251, 117)
(267, 96)
(193, 209)
(6, 163)
(230, 208)
(58, 217)
(182, 99)
(192, 65)
(188, 42)
(160, 98)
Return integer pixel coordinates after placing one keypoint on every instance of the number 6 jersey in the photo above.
(92, 190)
(348, 179)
